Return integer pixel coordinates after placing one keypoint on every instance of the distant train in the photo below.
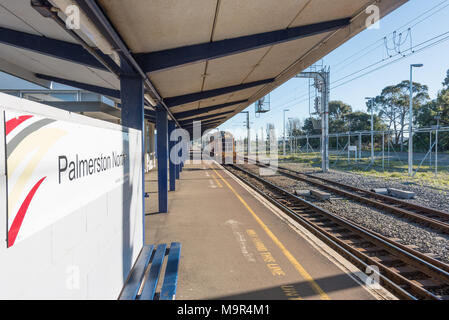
(227, 147)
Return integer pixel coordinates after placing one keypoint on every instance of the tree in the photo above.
(361, 121)
(294, 127)
(309, 127)
(392, 105)
(271, 136)
(338, 109)
(337, 112)
(425, 116)
(446, 80)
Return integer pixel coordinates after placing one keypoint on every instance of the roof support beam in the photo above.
(206, 125)
(89, 87)
(51, 47)
(192, 97)
(151, 119)
(191, 113)
(99, 19)
(170, 58)
(189, 123)
(22, 73)
(150, 113)
(203, 128)
(207, 116)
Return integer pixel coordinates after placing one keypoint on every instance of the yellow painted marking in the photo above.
(291, 292)
(267, 257)
(281, 246)
(274, 268)
(217, 182)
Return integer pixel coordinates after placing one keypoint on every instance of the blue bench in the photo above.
(146, 273)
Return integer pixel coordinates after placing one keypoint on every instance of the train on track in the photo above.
(224, 148)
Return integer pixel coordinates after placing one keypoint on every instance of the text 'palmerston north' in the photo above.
(78, 168)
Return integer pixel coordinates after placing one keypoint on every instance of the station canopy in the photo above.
(203, 59)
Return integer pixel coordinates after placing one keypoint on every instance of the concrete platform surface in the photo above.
(235, 247)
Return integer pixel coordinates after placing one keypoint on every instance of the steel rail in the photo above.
(304, 212)
(423, 215)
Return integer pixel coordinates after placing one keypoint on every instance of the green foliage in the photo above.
(308, 127)
(393, 103)
(294, 127)
(338, 109)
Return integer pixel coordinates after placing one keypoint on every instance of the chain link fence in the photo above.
(353, 151)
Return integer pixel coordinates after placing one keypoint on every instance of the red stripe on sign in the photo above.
(14, 122)
(17, 223)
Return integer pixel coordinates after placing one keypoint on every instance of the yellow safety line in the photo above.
(218, 182)
(284, 250)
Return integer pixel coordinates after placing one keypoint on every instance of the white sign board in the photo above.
(55, 167)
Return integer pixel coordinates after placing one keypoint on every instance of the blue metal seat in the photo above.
(146, 273)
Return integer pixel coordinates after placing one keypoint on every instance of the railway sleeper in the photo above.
(370, 250)
(298, 208)
(357, 244)
(387, 260)
(412, 246)
(338, 230)
(391, 202)
(328, 224)
(319, 219)
(352, 237)
(406, 271)
(430, 284)
(384, 263)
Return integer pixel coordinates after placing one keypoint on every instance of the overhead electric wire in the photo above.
(408, 52)
(412, 51)
(400, 58)
(399, 30)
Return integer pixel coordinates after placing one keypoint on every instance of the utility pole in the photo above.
(247, 134)
(410, 124)
(283, 142)
(290, 136)
(322, 81)
(437, 118)
(372, 128)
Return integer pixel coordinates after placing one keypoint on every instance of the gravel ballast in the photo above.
(389, 225)
(424, 195)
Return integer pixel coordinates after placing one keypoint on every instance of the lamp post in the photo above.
(283, 144)
(290, 136)
(410, 124)
(247, 133)
(437, 118)
(372, 128)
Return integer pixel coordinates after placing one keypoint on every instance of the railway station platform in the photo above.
(238, 246)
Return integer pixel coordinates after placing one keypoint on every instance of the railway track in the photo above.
(432, 218)
(407, 273)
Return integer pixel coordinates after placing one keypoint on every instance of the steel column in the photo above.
(178, 166)
(172, 165)
(162, 148)
(132, 97)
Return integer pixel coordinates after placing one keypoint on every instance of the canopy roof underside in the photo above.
(204, 57)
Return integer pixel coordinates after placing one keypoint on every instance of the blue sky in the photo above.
(293, 94)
